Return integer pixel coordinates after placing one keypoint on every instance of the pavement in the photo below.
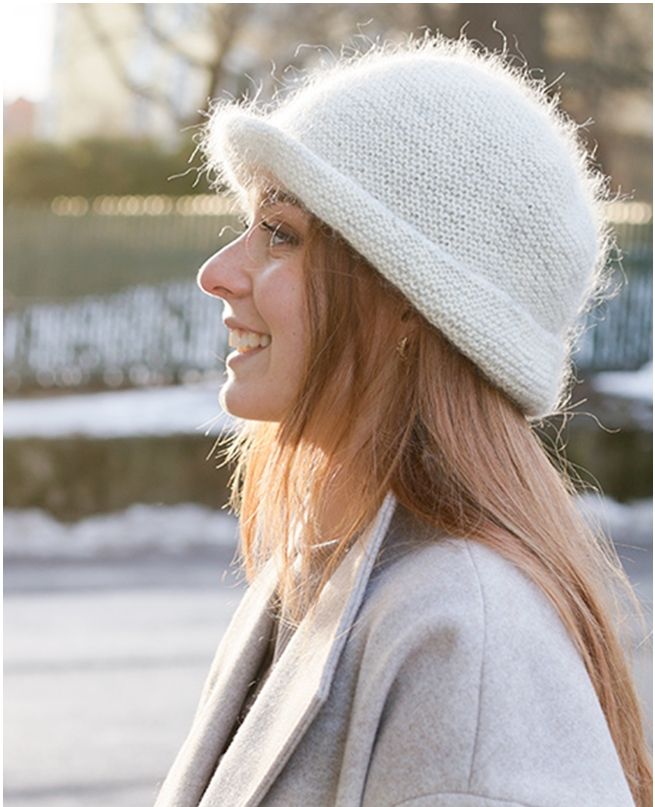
(104, 663)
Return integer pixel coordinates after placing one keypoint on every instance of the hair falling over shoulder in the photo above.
(456, 451)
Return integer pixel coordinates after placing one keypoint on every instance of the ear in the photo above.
(411, 319)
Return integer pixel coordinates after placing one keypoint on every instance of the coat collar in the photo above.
(293, 693)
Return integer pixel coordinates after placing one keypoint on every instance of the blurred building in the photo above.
(126, 70)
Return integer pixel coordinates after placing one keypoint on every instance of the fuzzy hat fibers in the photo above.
(459, 180)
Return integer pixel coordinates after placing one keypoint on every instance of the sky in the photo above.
(26, 49)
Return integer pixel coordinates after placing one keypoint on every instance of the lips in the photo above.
(235, 325)
(236, 357)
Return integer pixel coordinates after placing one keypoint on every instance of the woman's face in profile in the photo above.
(259, 278)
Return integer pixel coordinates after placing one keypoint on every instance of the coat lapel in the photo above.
(235, 664)
(296, 688)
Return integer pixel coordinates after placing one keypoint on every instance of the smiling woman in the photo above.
(429, 621)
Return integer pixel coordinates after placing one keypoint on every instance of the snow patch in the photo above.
(179, 529)
(636, 385)
(629, 524)
(169, 530)
(161, 411)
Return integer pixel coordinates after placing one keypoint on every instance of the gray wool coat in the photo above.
(429, 675)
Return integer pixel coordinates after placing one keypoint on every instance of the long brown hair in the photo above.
(456, 452)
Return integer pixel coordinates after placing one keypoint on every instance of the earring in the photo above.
(401, 347)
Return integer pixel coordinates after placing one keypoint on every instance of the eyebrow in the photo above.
(278, 196)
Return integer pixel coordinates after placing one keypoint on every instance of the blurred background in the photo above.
(118, 577)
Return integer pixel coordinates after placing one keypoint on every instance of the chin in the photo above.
(243, 406)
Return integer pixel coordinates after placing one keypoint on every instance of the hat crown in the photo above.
(422, 128)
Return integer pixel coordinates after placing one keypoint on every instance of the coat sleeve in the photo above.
(486, 701)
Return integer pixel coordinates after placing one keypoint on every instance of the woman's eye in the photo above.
(276, 231)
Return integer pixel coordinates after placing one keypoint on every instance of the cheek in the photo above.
(282, 306)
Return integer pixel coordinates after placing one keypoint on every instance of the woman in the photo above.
(429, 622)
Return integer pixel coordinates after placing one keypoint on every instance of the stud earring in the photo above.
(401, 347)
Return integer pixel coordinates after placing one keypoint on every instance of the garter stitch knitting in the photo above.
(458, 178)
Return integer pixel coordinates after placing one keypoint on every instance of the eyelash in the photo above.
(273, 229)
(276, 230)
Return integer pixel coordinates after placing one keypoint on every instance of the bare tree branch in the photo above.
(168, 42)
(224, 21)
(106, 43)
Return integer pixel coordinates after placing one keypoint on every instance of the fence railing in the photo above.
(618, 334)
(104, 294)
(143, 335)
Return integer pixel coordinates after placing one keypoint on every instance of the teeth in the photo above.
(244, 341)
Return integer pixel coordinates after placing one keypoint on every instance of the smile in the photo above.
(237, 357)
(245, 341)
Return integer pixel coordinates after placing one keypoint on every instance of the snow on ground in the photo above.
(636, 385)
(168, 530)
(629, 524)
(179, 529)
(185, 409)
(190, 408)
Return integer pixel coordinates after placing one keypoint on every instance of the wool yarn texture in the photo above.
(458, 178)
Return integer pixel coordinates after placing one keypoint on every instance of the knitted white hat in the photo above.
(458, 178)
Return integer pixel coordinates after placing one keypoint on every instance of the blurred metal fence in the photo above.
(619, 332)
(143, 335)
(103, 293)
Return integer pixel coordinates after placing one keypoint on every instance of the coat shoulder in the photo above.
(482, 682)
(466, 583)
(492, 623)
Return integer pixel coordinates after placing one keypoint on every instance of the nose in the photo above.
(223, 275)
